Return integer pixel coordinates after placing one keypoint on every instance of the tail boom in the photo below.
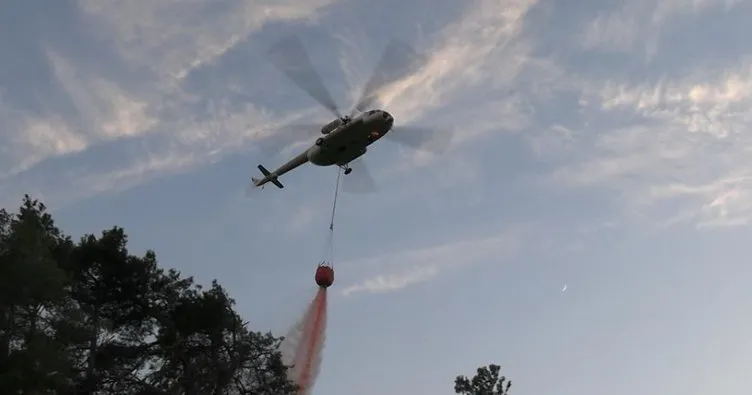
(273, 176)
(268, 177)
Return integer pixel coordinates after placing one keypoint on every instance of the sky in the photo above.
(587, 229)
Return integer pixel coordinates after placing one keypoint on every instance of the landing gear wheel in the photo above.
(319, 141)
(348, 170)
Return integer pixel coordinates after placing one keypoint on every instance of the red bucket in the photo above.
(324, 276)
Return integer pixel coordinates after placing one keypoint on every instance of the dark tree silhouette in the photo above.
(485, 382)
(89, 317)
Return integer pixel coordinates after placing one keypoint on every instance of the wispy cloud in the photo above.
(682, 142)
(482, 46)
(659, 145)
(637, 24)
(41, 138)
(174, 38)
(168, 127)
(483, 66)
(393, 272)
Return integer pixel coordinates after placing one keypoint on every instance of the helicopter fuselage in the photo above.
(342, 142)
(349, 140)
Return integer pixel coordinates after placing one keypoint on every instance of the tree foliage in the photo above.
(87, 316)
(485, 382)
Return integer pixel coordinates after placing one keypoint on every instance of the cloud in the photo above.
(150, 108)
(553, 141)
(682, 146)
(396, 271)
(615, 31)
(481, 54)
(482, 66)
(478, 48)
(162, 125)
(640, 22)
(105, 110)
(144, 98)
(173, 38)
(172, 104)
(104, 113)
(40, 138)
(393, 272)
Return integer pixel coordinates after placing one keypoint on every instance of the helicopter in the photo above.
(347, 137)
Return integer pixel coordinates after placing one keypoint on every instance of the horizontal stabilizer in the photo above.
(269, 177)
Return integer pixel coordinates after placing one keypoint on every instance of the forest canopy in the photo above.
(87, 316)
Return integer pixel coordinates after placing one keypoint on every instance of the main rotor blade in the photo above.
(397, 60)
(359, 181)
(433, 140)
(288, 135)
(289, 56)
